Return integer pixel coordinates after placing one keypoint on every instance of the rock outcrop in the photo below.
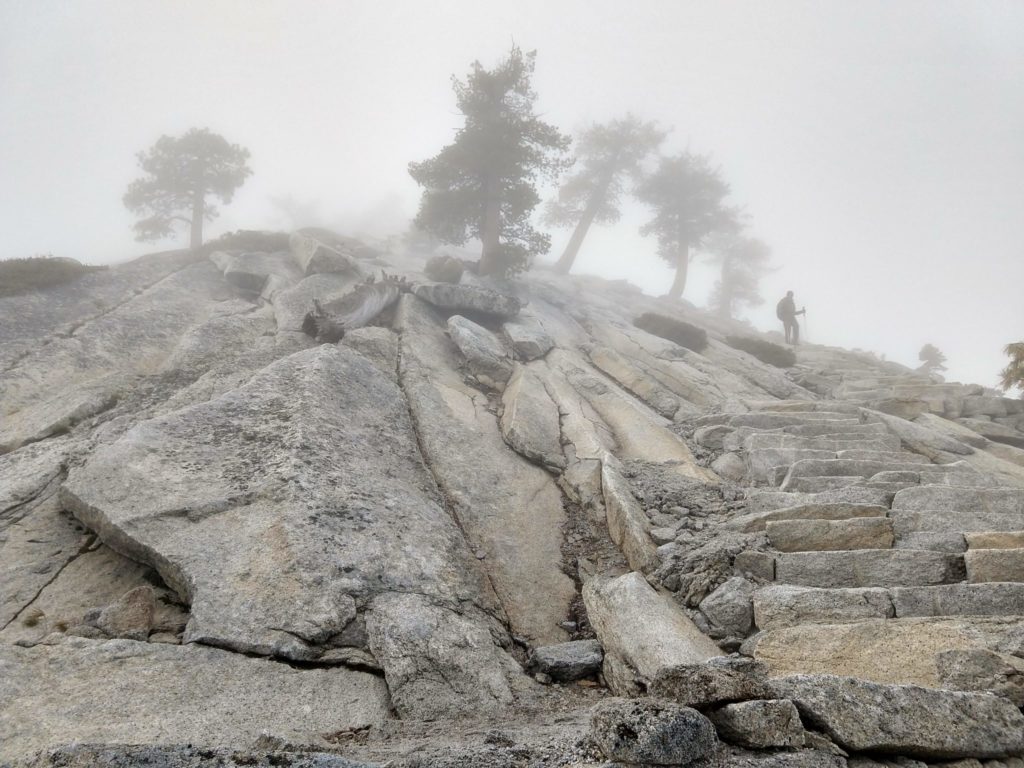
(252, 515)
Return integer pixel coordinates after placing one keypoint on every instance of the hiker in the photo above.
(785, 310)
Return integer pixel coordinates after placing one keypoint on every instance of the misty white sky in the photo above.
(877, 146)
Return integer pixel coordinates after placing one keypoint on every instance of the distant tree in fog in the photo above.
(606, 156)
(931, 359)
(181, 173)
(687, 196)
(483, 184)
(1013, 374)
(744, 261)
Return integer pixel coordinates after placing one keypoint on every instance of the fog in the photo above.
(878, 147)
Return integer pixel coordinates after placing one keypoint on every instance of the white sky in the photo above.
(877, 146)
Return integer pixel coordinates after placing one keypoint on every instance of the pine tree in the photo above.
(606, 156)
(483, 185)
(181, 173)
(744, 261)
(687, 196)
(1013, 374)
(931, 359)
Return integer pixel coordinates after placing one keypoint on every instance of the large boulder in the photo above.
(647, 732)
(251, 271)
(530, 419)
(314, 256)
(444, 268)
(728, 609)
(130, 616)
(486, 356)
(905, 719)
(469, 299)
(641, 631)
(528, 338)
(417, 641)
(717, 681)
(760, 724)
(628, 526)
(568, 661)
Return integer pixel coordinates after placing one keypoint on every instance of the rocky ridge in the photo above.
(495, 524)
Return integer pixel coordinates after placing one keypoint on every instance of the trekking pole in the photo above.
(807, 328)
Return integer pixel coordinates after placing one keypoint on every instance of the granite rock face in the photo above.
(281, 510)
(89, 691)
(239, 503)
(437, 523)
(509, 510)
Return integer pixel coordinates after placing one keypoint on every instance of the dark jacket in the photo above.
(786, 309)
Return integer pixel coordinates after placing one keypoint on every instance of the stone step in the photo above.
(951, 508)
(937, 541)
(757, 521)
(762, 462)
(854, 467)
(785, 605)
(902, 477)
(819, 484)
(891, 456)
(867, 717)
(830, 535)
(993, 565)
(765, 420)
(995, 540)
(803, 406)
(886, 650)
(986, 599)
(869, 568)
(759, 500)
(1008, 501)
(889, 488)
(836, 429)
(959, 474)
(881, 443)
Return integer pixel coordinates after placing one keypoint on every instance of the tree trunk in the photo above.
(682, 267)
(568, 256)
(198, 214)
(490, 257)
(726, 293)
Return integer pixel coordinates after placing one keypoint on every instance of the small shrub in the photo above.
(677, 331)
(32, 618)
(765, 351)
(18, 276)
(250, 240)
